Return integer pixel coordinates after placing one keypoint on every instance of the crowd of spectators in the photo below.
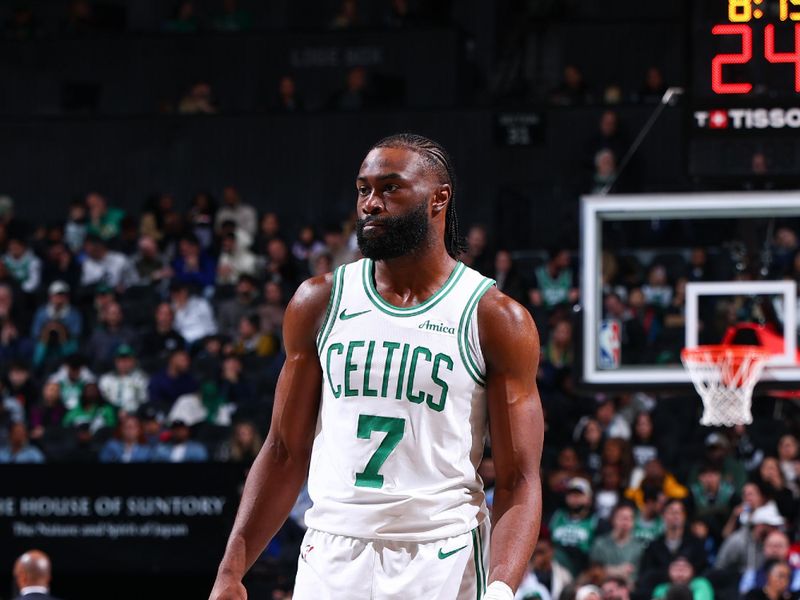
(130, 338)
(363, 84)
(623, 526)
(639, 501)
(574, 90)
(157, 337)
(360, 89)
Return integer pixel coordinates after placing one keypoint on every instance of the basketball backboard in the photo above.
(665, 235)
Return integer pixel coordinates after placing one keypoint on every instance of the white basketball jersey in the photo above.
(403, 412)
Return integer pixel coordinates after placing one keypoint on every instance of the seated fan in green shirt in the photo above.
(649, 524)
(93, 411)
(104, 220)
(681, 572)
(572, 527)
(618, 551)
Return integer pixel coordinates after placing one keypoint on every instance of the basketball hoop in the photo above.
(725, 376)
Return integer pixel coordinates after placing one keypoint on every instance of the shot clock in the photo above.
(746, 49)
(745, 92)
(748, 19)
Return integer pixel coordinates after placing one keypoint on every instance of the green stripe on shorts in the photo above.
(480, 549)
(476, 554)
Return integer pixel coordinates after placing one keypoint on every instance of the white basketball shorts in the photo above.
(336, 567)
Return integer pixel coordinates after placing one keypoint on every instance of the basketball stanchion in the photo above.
(724, 376)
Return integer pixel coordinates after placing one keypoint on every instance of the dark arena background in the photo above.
(171, 171)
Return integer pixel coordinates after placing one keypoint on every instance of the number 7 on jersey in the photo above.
(394, 429)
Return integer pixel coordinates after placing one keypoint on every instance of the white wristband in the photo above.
(498, 590)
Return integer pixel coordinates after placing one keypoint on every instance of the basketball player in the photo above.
(394, 365)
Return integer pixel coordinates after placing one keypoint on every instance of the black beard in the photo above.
(398, 236)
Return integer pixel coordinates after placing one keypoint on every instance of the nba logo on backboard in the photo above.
(610, 344)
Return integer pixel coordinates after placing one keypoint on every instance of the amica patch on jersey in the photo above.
(437, 327)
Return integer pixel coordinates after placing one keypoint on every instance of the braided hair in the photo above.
(438, 160)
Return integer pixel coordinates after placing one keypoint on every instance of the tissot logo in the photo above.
(718, 119)
(437, 327)
(748, 118)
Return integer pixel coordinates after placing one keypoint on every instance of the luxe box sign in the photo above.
(136, 518)
(336, 56)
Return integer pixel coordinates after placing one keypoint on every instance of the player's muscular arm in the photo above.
(279, 470)
(510, 345)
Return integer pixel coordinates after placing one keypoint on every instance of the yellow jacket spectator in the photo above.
(655, 476)
(251, 341)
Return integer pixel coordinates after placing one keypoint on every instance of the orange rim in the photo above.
(718, 351)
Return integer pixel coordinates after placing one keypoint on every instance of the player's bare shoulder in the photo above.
(506, 329)
(307, 309)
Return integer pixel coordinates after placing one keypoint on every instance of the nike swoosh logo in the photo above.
(443, 555)
(344, 316)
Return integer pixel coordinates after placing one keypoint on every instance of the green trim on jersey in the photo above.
(410, 311)
(463, 331)
(484, 576)
(333, 307)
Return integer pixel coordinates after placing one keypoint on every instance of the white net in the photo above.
(725, 377)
